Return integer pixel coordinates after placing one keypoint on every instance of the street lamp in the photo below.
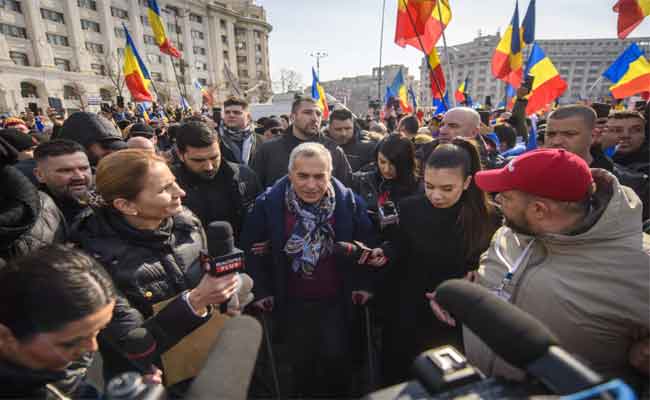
(318, 55)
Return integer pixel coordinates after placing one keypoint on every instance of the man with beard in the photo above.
(63, 171)
(573, 255)
(347, 134)
(633, 150)
(270, 162)
(215, 189)
(239, 142)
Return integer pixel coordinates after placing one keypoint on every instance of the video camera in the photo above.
(516, 337)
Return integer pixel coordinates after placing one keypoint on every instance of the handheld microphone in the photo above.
(355, 250)
(139, 347)
(515, 336)
(223, 257)
(228, 371)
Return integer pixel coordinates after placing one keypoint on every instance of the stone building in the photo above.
(72, 50)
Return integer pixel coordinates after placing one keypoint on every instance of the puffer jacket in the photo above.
(591, 288)
(29, 219)
(147, 267)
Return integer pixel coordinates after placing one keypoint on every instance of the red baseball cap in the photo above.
(554, 174)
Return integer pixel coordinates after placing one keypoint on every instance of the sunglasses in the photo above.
(276, 131)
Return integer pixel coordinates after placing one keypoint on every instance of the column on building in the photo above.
(77, 42)
(43, 54)
(232, 48)
(215, 50)
(108, 27)
(4, 52)
(135, 26)
(188, 55)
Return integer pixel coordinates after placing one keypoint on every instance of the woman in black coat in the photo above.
(147, 241)
(440, 236)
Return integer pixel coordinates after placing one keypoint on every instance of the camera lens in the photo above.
(125, 386)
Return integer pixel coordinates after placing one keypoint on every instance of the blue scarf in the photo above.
(313, 235)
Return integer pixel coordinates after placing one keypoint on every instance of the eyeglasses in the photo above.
(276, 131)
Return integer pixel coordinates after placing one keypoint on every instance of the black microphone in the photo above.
(515, 336)
(223, 257)
(139, 347)
(229, 368)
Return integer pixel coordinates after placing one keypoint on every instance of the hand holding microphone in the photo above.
(212, 290)
(362, 254)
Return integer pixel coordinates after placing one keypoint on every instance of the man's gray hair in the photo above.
(309, 150)
(475, 116)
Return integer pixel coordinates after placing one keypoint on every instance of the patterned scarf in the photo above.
(313, 235)
(238, 135)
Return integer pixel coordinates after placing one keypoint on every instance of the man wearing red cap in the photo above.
(573, 255)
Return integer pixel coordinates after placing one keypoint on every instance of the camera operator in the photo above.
(440, 236)
(573, 257)
(54, 303)
(147, 241)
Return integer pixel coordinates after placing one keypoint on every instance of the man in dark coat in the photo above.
(239, 142)
(309, 289)
(270, 162)
(96, 134)
(347, 134)
(216, 190)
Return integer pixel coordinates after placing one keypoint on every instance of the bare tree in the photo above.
(113, 68)
(164, 93)
(290, 80)
(79, 94)
(265, 92)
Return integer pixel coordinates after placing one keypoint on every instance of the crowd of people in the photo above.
(103, 220)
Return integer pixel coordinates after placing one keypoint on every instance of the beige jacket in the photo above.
(591, 289)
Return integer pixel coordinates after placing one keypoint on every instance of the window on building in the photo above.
(57, 40)
(226, 55)
(172, 10)
(52, 16)
(87, 25)
(242, 59)
(14, 31)
(240, 31)
(106, 94)
(148, 39)
(98, 69)
(258, 34)
(260, 74)
(243, 73)
(70, 93)
(144, 20)
(28, 90)
(196, 18)
(580, 63)
(155, 58)
(156, 76)
(222, 23)
(89, 4)
(120, 51)
(578, 71)
(241, 46)
(224, 39)
(201, 66)
(11, 5)
(203, 81)
(258, 48)
(173, 28)
(198, 50)
(94, 48)
(119, 13)
(19, 58)
(258, 60)
(119, 32)
(62, 64)
(197, 34)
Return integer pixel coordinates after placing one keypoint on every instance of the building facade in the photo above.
(580, 62)
(356, 92)
(72, 50)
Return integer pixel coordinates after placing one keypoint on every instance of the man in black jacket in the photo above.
(271, 161)
(347, 134)
(238, 140)
(216, 190)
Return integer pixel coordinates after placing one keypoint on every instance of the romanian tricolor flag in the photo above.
(436, 75)
(158, 27)
(207, 97)
(424, 18)
(399, 91)
(318, 94)
(441, 104)
(136, 74)
(528, 26)
(548, 85)
(630, 73)
(630, 15)
(507, 61)
(462, 95)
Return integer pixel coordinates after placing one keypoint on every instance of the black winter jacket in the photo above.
(227, 197)
(147, 267)
(272, 159)
(29, 219)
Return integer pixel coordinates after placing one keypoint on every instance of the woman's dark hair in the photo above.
(51, 287)
(476, 216)
(506, 134)
(401, 153)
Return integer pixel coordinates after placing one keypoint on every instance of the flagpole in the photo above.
(180, 91)
(381, 49)
(451, 67)
(600, 78)
(426, 56)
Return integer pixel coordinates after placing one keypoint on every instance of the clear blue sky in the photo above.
(349, 30)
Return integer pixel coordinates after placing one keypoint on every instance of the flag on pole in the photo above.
(398, 90)
(158, 27)
(630, 14)
(511, 95)
(424, 18)
(528, 26)
(548, 85)
(39, 124)
(630, 73)
(507, 62)
(440, 105)
(436, 75)
(136, 75)
(462, 93)
(207, 97)
(184, 104)
(318, 94)
(413, 98)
